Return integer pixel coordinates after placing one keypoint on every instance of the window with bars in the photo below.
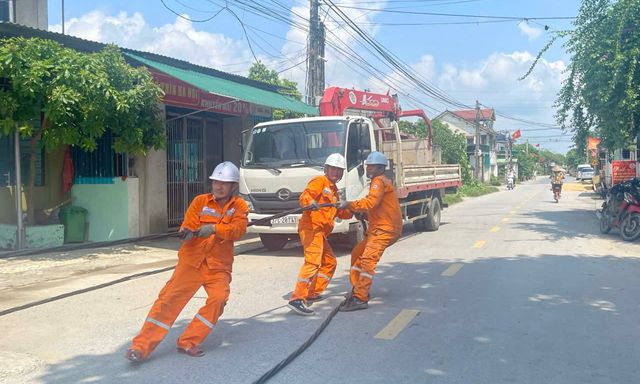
(8, 166)
(99, 166)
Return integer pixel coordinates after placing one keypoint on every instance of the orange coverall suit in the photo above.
(314, 227)
(201, 262)
(385, 227)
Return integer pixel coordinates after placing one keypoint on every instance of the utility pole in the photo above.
(315, 54)
(18, 191)
(477, 146)
(321, 58)
(312, 52)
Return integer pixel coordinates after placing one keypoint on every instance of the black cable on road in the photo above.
(83, 290)
(262, 221)
(278, 367)
(97, 244)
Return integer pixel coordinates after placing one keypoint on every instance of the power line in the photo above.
(460, 14)
(188, 18)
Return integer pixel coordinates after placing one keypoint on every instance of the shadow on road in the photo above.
(481, 310)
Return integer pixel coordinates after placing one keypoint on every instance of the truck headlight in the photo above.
(247, 199)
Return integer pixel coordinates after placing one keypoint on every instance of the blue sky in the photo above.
(465, 57)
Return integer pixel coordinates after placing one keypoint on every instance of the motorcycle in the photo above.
(509, 183)
(630, 225)
(621, 209)
(556, 188)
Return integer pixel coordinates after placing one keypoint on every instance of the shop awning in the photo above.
(230, 88)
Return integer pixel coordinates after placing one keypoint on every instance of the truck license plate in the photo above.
(285, 220)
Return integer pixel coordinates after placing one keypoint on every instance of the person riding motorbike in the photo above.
(557, 178)
(511, 177)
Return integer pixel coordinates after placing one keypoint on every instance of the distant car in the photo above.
(584, 172)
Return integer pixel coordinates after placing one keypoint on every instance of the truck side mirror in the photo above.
(363, 153)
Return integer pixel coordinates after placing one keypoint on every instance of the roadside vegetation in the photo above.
(471, 189)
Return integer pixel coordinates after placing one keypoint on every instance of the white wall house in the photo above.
(464, 122)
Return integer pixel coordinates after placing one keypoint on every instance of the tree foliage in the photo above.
(454, 146)
(574, 158)
(532, 159)
(260, 72)
(57, 96)
(601, 95)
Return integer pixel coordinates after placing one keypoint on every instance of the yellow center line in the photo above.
(452, 270)
(495, 229)
(396, 325)
(504, 220)
(479, 244)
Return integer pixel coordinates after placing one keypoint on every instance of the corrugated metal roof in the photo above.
(230, 85)
(225, 87)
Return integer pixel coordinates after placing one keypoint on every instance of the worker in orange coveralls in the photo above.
(211, 224)
(385, 227)
(314, 227)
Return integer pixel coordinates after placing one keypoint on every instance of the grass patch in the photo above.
(469, 190)
(452, 198)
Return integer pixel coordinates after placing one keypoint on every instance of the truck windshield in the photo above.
(290, 144)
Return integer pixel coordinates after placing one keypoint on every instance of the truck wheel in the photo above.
(274, 242)
(432, 222)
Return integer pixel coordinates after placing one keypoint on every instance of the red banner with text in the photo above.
(622, 170)
(180, 94)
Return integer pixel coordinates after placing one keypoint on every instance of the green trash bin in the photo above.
(74, 219)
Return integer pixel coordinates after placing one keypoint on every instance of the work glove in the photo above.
(206, 230)
(185, 234)
(343, 204)
(314, 205)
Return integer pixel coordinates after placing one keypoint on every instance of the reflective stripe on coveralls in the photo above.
(205, 321)
(203, 262)
(158, 323)
(385, 227)
(314, 227)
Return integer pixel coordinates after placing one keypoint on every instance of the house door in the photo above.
(194, 146)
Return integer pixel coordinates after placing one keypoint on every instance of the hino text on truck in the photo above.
(280, 157)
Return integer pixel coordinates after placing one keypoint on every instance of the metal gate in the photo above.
(194, 147)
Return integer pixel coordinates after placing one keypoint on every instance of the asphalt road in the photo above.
(513, 288)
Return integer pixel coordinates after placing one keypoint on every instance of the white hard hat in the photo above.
(336, 160)
(226, 171)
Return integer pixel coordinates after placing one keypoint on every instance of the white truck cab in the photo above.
(281, 157)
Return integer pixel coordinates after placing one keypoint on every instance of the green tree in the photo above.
(527, 158)
(601, 95)
(57, 96)
(574, 158)
(260, 72)
(454, 146)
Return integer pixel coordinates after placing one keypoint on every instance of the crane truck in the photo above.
(280, 157)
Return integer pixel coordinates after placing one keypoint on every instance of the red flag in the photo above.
(515, 135)
(592, 143)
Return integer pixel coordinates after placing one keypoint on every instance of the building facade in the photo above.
(466, 122)
(205, 112)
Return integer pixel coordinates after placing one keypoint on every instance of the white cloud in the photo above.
(492, 80)
(179, 39)
(531, 32)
